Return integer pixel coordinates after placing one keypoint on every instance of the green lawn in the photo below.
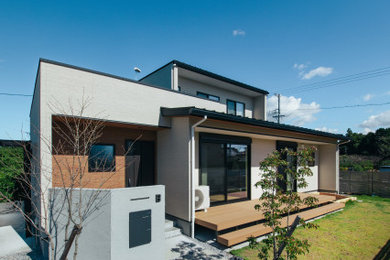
(357, 232)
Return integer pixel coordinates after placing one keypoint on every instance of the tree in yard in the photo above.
(11, 164)
(58, 220)
(280, 171)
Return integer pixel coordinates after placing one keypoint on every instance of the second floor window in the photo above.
(235, 108)
(208, 96)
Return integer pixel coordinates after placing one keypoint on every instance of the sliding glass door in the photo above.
(224, 167)
(237, 171)
(213, 170)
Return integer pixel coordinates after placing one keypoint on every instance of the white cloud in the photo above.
(376, 121)
(368, 97)
(368, 130)
(299, 66)
(239, 32)
(295, 111)
(320, 71)
(329, 130)
(388, 93)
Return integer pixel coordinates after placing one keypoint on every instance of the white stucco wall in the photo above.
(312, 181)
(111, 98)
(329, 167)
(35, 128)
(260, 150)
(173, 167)
(62, 88)
(192, 87)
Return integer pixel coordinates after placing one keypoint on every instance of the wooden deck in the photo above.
(234, 215)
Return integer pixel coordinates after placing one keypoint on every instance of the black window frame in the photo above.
(201, 94)
(111, 168)
(235, 107)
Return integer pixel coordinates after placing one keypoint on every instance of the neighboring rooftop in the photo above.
(209, 74)
(193, 111)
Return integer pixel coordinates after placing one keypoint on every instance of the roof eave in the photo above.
(193, 111)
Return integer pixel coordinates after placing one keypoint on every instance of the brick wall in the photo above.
(66, 165)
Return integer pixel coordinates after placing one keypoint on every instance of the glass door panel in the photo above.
(237, 171)
(212, 171)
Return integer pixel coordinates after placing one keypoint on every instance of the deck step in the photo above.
(242, 235)
(172, 232)
(168, 224)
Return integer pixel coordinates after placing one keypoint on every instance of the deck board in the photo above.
(236, 214)
(242, 235)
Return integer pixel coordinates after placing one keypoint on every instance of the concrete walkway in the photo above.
(183, 247)
(11, 243)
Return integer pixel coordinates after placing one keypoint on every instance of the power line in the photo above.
(340, 80)
(347, 106)
(14, 94)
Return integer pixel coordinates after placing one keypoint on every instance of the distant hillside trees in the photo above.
(366, 149)
(374, 144)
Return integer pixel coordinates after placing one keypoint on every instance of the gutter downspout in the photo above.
(193, 174)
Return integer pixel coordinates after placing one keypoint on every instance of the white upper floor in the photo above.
(238, 98)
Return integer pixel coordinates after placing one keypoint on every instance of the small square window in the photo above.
(101, 158)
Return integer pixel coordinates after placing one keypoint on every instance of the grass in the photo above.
(357, 232)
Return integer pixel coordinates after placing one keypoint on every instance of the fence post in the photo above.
(372, 183)
(350, 181)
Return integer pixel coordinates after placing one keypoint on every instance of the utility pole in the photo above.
(278, 115)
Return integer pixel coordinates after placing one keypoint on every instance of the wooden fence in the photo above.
(370, 183)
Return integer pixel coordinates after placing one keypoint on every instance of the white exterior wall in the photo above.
(191, 87)
(173, 167)
(312, 181)
(260, 107)
(59, 88)
(35, 128)
(329, 167)
(260, 150)
(111, 98)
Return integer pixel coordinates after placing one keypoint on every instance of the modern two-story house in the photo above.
(189, 127)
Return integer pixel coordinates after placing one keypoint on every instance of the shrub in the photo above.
(11, 164)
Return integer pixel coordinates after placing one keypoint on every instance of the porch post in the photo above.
(193, 174)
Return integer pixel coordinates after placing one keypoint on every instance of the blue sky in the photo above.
(256, 42)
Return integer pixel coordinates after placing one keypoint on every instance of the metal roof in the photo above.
(193, 111)
(210, 74)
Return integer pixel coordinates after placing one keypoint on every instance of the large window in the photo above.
(224, 167)
(235, 108)
(207, 96)
(101, 158)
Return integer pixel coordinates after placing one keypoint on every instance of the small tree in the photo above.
(281, 170)
(73, 137)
